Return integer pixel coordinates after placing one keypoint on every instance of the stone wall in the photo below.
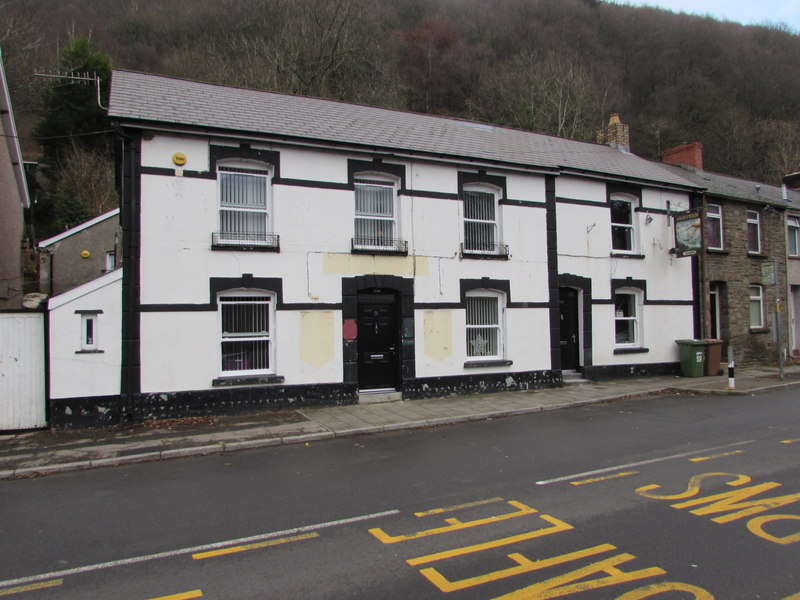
(735, 269)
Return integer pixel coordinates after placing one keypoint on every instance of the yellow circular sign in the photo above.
(85, 254)
(179, 158)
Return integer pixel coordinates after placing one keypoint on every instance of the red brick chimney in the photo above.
(615, 134)
(687, 154)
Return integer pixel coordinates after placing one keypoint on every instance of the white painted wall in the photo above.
(22, 371)
(76, 374)
(180, 350)
(584, 249)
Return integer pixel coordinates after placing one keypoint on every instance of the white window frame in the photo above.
(473, 246)
(636, 297)
(473, 347)
(756, 293)
(632, 228)
(111, 260)
(754, 219)
(361, 242)
(793, 235)
(256, 170)
(89, 331)
(227, 299)
(714, 215)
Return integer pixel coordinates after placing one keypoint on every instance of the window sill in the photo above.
(626, 255)
(479, 364)
(794, 257)
(259, 242)
(386, 251)
(90, 352)
(492, 252)
(246, 380)
(245, 246)
(759, 330)
(757, 255)
(638, 350)
(718, 251)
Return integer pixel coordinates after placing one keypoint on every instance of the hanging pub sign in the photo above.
(688, 233)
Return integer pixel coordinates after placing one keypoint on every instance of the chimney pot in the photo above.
(615, 134)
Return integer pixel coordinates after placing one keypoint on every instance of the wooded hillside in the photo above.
(553, 66)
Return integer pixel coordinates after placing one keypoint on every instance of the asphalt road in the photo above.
(667, 498)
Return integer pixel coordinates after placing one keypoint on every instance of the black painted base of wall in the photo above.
(598, 372)
(432, 387)
(106, 411)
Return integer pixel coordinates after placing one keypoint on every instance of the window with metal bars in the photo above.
(244, 215)
(484, 325)
(246, 324)
(480, 221)
(376, 224)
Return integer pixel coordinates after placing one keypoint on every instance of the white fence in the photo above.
(22, 371)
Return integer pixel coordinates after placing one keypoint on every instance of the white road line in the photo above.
(640, 463)
(139, 559)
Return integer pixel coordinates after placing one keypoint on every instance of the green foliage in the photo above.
(70, 108)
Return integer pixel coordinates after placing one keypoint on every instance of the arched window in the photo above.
(247, 332)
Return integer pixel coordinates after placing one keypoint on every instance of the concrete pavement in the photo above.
(43, 452)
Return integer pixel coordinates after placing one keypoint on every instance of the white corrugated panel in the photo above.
(22, 401)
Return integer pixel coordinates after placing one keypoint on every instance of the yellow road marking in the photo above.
(437, 511)
(557, 525)
(713, 456)
(454, 524)
(31, 587)
(790, 442)
(245, 547)
(596, 479)
(182, 596)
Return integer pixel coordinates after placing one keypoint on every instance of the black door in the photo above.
(569, 322)
(378, 337)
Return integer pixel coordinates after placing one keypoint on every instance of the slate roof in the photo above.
(735, 188)
(158, 99)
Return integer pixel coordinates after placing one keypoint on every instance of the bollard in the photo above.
(731, 365)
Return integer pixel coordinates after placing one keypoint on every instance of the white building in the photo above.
(281, 250)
